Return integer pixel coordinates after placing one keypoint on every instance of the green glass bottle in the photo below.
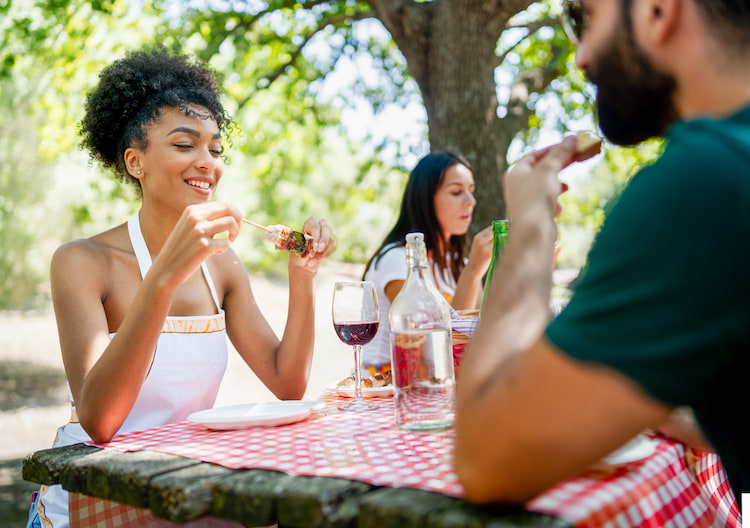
(499, 236)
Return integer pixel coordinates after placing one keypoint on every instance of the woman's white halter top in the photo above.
(189, 363)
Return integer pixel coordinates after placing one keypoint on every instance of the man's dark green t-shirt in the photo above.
(665, 295)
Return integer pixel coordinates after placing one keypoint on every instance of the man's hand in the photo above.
(532, 186)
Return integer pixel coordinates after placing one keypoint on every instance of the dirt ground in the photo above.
(33, 397)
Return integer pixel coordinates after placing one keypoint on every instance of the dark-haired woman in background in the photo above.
(438, 201)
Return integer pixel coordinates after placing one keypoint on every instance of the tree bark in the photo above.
(450, 49)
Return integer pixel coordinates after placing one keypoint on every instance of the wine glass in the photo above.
(356, 319)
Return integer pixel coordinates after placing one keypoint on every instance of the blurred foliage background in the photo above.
(330, 118)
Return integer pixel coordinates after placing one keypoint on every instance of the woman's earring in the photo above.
(139, 172)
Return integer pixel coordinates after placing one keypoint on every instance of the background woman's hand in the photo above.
(480, 253)
(321, 245)
(468, 292)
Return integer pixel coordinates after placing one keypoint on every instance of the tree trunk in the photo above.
(450, 48)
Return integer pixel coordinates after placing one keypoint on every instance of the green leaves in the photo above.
(290, 70)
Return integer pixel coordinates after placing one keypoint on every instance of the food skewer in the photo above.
(283, 238)
(264, 228)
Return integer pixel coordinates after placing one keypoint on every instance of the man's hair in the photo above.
(729, 20)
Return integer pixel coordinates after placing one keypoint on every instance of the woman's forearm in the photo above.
(294, 355)
(111, 387)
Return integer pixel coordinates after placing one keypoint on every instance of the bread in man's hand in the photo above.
(587, 145)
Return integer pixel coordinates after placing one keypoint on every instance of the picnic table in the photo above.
(344, 469)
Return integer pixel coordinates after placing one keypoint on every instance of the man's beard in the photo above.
(634, 100)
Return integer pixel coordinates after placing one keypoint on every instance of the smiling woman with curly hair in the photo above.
(144, 309)
(132, 94)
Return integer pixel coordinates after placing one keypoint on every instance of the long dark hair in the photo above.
(418, 214)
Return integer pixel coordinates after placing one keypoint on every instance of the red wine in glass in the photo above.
(356, 319)
(356, 333)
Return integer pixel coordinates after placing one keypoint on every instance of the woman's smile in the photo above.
(182, 149)
(202, 185)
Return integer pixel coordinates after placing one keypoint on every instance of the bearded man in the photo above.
(660, 319)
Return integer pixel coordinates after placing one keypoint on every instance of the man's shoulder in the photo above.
(698, 154)
(707, 140)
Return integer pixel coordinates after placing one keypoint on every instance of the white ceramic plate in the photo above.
(638, 448)
(367, 392)
(268, 414)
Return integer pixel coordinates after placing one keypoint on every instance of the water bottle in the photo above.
(499, 236)
(421, 351)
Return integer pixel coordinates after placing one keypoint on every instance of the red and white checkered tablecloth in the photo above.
(664, 489)
(684, 488)
(91, 512)
(361, 446)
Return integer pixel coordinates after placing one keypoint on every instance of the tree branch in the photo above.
(526, 83)
(385, 8)
(249, 21)
(532, 28)
(409, 24)
(266, 81)
(403, 18)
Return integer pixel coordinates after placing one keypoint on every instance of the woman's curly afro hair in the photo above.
(132, 92)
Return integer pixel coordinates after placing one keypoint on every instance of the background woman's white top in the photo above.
(390, 265)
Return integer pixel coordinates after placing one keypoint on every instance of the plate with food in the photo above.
(374, 385)
(266, 414)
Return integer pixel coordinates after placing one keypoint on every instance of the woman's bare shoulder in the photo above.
(98, 250)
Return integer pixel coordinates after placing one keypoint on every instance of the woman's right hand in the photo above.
(193, 239)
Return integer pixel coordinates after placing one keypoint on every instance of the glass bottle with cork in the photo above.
(421, 353)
